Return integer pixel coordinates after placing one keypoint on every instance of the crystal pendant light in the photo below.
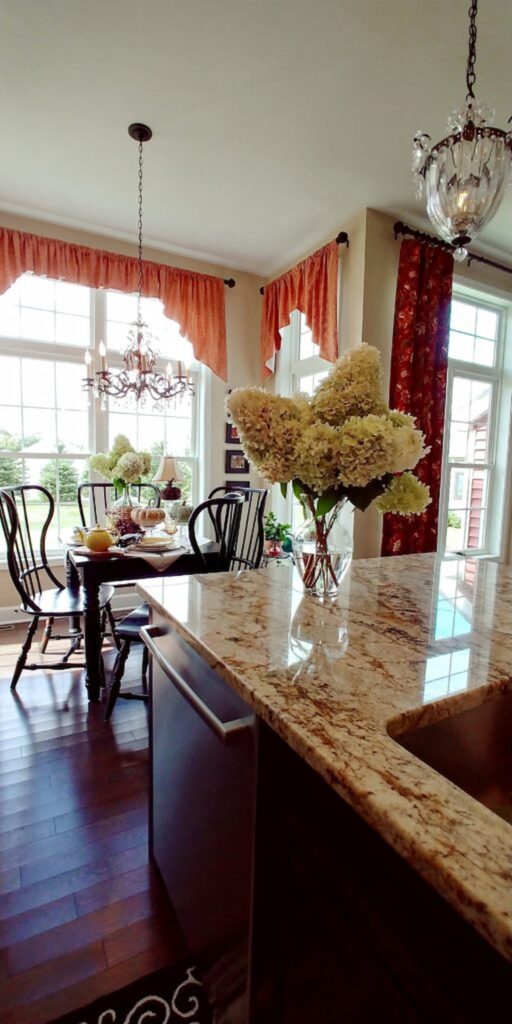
(464, 176)
(140, 376)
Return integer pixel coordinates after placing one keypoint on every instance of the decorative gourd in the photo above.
(149, 517)
(135, 514)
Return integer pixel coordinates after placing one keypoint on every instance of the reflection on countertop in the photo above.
(408, 641)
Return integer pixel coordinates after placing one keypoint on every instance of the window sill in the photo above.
(481, 555)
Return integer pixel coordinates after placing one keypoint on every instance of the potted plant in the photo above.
(275, 534)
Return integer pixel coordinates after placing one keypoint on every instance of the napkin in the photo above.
(159, 560)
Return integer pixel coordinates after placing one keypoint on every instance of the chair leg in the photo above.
(145, 665)
(47, 634)
(74, 645)
(21, 662)
(115, 685)
(112, 624)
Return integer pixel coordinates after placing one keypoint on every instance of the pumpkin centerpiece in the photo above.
(148, 518)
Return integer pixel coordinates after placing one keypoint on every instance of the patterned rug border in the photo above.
(171, 994)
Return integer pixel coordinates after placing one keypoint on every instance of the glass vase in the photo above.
(322, 552)
(120, 515)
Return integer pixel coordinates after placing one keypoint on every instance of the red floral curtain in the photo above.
(195, 301)
(419, 363)
(311, 287)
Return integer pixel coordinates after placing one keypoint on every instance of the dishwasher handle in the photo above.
(225, 731)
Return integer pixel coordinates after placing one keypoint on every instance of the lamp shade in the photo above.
(167, 470)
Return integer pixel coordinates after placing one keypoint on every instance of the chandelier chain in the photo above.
(139, 286)
(470, 69)
(140, 376)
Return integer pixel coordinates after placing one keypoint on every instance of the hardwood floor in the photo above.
(81, 911)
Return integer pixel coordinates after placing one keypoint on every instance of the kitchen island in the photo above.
(407, 875)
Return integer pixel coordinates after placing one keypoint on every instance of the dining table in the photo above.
(90, 570)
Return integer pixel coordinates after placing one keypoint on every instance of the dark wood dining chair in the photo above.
(251, 536)
(225, 514)
(30, 570)
(98, 498)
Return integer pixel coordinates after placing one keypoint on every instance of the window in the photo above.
(299, 369)
(48, 427)
(472, 407)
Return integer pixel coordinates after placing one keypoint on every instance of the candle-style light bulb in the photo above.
(168, 371)
(103, 354)
(87, 358)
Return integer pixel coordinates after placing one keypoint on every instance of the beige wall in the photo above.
(352, 284)
(242, 324)
(369, 318)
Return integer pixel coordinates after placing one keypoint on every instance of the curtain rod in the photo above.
(400, 228)
(341, 239)
(229, 282)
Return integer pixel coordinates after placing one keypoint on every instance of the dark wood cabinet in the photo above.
(344, 930)
(298, 911)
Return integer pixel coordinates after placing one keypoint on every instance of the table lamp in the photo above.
(167, 473)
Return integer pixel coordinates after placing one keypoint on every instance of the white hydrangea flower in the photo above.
(344, 436)
(405, 495)
(352, 388)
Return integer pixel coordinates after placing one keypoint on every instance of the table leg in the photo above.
(94, 670)
(73, 583)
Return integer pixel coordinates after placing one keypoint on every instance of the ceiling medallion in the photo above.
(464, 176)
(140, 376)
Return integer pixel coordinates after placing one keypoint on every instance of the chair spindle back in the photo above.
(100, 497)
(225, 514)
(26, 541)
(249, 548)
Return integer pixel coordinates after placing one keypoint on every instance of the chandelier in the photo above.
(464, 176)
(140, 376)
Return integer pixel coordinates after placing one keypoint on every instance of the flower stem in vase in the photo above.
(322, 550)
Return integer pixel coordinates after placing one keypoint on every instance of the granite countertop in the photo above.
(409, 640)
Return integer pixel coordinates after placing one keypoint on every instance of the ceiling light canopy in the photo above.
(140, 377)
(464, 176)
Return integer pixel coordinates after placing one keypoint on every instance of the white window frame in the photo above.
(97, 417)
(290, 368)
(493, 376)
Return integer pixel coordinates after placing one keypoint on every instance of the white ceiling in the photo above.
(273, 120)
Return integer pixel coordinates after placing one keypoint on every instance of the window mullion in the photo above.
(99, 416)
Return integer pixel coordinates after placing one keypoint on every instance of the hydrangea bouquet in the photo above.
(341, 445)
(122, 465)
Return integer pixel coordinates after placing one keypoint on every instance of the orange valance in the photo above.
(195, 301)
(312, 288)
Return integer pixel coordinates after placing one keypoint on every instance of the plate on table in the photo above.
(154, 545)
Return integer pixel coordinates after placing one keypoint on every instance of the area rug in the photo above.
(167, 996)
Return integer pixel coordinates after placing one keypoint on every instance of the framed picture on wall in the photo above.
(232, 435)
(236, 462)
(237, 485)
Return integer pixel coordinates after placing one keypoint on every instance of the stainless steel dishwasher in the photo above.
(203, 741)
